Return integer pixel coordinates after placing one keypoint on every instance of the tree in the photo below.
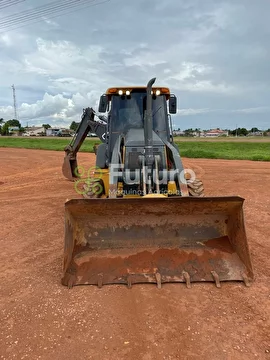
(1, 122)
(10, 123)
(189, 132)
(239, 132)
(254, 130)
(4, 129)
(14, 123)
(74, 125)
(243, 131)
(46, 126)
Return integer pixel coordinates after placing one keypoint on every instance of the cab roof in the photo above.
(115, 90)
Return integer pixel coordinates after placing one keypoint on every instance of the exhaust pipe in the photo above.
(148, 126)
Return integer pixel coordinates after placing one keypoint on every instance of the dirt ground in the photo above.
(41, 319)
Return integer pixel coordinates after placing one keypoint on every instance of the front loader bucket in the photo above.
(155, 240)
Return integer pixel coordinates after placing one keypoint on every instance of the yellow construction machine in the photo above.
(141, 218)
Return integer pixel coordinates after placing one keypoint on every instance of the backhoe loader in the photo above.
(142, 218)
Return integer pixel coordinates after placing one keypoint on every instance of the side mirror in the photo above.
(173, 104)
(103, 104)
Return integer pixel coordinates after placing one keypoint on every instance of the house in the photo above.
(255, 133)
(52, 131)
(34, 131)
(59, 132)
(178, 133)
(14, 130)
(214, 133)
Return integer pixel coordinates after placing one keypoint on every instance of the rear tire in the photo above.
(195, 188)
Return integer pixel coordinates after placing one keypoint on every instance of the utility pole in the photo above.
(14, 102)
(236, 131)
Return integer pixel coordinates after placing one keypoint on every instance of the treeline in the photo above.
(245, 132)
(6, 125)
(236, 132)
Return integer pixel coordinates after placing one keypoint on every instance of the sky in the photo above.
(214, 55)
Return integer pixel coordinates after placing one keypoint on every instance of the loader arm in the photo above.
(87, 124)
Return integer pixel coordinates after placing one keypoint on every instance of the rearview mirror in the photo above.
(173, 104)
(103, 104)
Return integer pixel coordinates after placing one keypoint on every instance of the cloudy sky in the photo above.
(213, 54)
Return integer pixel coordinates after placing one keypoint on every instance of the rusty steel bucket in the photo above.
(155, 240)
(69, 167)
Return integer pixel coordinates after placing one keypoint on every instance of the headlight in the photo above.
(127, 92)
(157, 92)
(120, 92)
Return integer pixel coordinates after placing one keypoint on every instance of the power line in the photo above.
(4, 4)
(35, 11)
(52, 17)
(9, 22)
(55, 16)
(28, 16)
(38, 12)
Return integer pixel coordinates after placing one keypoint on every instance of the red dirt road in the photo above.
(41, 319)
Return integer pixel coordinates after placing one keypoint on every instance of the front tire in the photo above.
(94, 189)
(195, 188)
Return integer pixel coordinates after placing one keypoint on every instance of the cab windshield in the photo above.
(128, 111)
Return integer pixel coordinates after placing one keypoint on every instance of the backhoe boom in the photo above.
(87, 124)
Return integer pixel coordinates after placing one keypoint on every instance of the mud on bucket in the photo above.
(155, 240)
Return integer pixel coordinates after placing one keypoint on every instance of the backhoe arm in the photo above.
(87, 124)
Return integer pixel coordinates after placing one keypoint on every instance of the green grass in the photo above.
(257, 151)
(233, 150)
(247, 139)
(57, 144)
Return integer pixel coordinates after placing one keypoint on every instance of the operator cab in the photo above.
(126, 108)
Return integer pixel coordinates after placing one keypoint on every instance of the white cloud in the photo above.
(62, 58)
(50, 22)
(209, 86)
(5, 39)
(145, 60)
(191, 70)
(255, 110)
(52, 107)
(211, 54)
(192, 111)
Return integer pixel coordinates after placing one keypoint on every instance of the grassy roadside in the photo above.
(232, 150)
(256, 151)
(57, 144)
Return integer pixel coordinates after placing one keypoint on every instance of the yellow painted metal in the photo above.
(154, 196)
(132, 196)
(103, 174)
(172, 189)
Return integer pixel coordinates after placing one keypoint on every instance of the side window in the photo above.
(160, 117)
